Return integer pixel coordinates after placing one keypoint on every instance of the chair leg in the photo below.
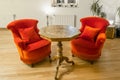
(50, 59)
(32, 65)
(73, 55)
(91, 62)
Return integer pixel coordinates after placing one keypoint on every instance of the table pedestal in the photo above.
(61, 58)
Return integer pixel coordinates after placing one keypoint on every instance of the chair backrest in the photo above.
(95, 22)
(14, 26)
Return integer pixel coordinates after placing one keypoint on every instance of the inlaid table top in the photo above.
(59, 32)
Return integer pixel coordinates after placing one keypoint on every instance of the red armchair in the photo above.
(90, 42)
(31, 47)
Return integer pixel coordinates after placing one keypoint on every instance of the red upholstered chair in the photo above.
(31, 47)
(90, 42)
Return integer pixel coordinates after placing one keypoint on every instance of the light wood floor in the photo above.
(12, 68)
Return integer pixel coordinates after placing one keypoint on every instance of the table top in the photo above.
(59, 32)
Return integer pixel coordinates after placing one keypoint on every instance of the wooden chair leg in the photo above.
(73, 55)
(92, 62)
(50, 59)
(31, 65)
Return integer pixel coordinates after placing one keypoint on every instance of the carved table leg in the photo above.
(61, 58)
(67, 60)
(57, 68)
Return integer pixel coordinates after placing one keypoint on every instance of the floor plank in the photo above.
(12, 68)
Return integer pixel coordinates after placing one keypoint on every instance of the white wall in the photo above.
(37, 9)
(110, 7)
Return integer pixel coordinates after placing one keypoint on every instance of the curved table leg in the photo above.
(61, 58)
(67, 60)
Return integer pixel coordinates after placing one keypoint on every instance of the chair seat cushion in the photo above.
(37, 45)
(89, 33)
(81, 42)
(29, 35)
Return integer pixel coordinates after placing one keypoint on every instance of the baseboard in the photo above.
(3, 28)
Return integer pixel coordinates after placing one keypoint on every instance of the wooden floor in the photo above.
(12, 68)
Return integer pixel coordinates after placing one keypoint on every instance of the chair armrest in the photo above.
(21, 43)
(100, 39)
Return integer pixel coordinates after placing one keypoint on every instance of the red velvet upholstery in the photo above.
(90, 49)
(31, 47)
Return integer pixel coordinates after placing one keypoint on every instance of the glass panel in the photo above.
(64, 3)
(71, 1)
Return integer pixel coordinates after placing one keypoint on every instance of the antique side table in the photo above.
(59, 33)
